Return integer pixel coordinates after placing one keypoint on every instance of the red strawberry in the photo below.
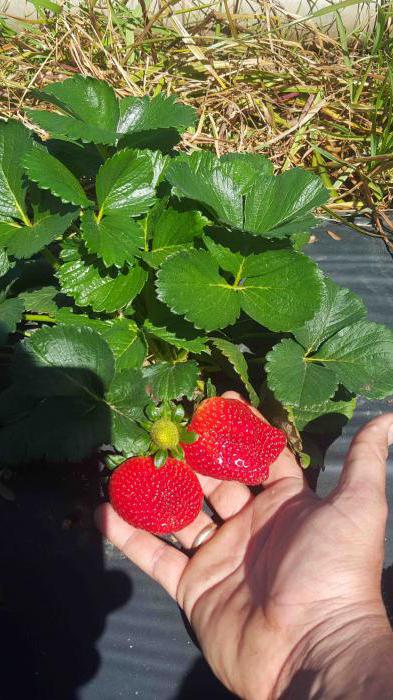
(160, 500)
(233, 443)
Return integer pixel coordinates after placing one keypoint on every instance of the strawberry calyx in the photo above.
(165, 431)
(168, 430)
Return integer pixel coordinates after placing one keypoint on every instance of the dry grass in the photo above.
(291, 92)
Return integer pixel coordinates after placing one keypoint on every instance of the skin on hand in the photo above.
(287, 592)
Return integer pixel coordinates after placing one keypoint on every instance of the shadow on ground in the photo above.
(55, 594)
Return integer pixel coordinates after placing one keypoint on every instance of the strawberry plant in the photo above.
(134, 277)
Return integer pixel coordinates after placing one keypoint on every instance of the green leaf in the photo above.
(91, 100)
(296, 382)
(207, 180)
(64, 361)
(246, 167)
(159, 112)
(29, 274)
(11, 311)
(305, 417)
(46, 97)
(172, 381)
(240, 243)
(127, 436)
(272, 202)
(69, 318)
(128, 398)
(92, 113)
(112, 461)
(15, 403)
(91, 107)
(362, 357)
(70, 371)
(122, 335)
(190, 284)
(339, 308)
(253, 200)
(161, 323)
(4, 262)
(226, 258)
(153, 122)
(89, 285)
(25, 241)
(7, 230)
(54, 427)
(50, 174)
(241, 168)
(68, 127)
(126, 342)
(116, 238)
(15, 141)
(179, 414)
(43, 203)
(159, 162)
(291, 229)
(280, 287)
(195, 344)
(173, 231)
(40, 300)
(300, 240)
(128, 393)
(276, 288)
(83, 159)
(58, 428)
(238, 361)
(61, 411)
(125, 182)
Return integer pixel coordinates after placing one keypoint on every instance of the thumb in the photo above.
(365, 464)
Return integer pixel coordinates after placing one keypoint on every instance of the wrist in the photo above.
(348, 655)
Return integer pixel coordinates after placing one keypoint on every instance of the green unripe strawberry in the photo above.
(165, 434)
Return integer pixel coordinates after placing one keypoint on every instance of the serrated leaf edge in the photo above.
(273, 387)
(253, 396)
(47, 188)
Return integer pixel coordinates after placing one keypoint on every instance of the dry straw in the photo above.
(261, 81)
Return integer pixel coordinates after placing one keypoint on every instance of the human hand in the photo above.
(289, 582)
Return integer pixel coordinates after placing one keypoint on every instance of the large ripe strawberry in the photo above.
(160, 500)
(233, 442)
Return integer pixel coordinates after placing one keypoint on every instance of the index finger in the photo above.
(160, 560)
(285, 465)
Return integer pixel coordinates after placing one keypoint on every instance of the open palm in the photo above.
(283, 564)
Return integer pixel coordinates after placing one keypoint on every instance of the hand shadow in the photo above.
(54, 591)
(200, 682)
